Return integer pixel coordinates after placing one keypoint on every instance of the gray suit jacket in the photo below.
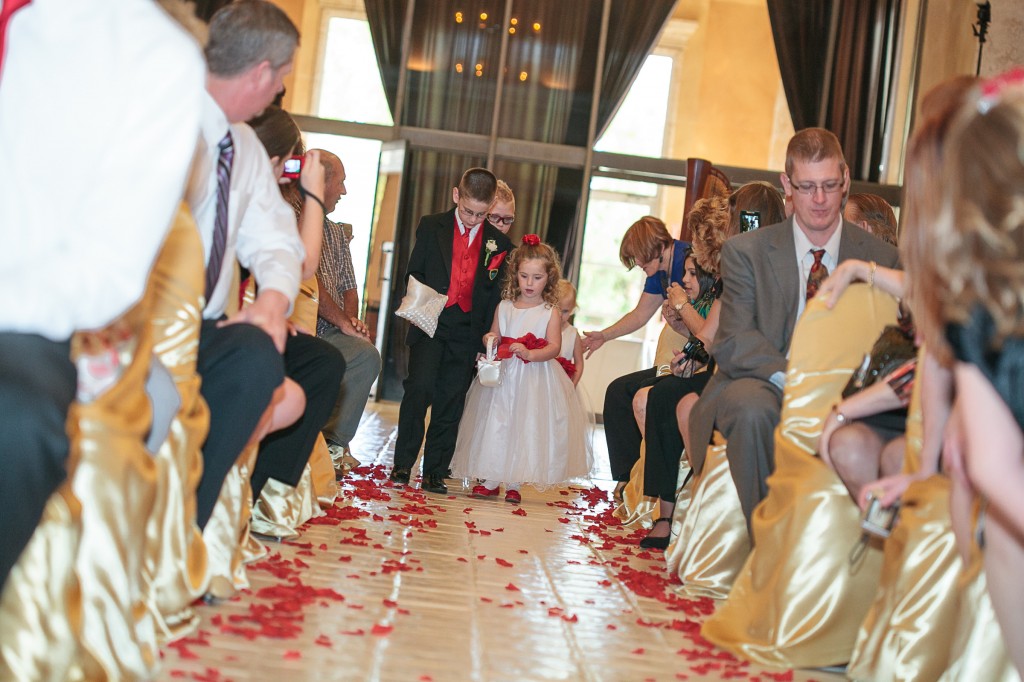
(759, 309)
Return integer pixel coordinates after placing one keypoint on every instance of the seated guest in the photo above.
(668, 402)
(648, 244)
(59, 276)
(873, 214)
(966, 281)
(338, 321)
(240, 214)
(770, 274)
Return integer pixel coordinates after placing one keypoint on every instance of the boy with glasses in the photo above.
(460, 254)
(503, 212)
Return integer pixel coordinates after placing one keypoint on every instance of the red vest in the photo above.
(464, 264)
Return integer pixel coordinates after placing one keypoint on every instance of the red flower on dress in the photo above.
(531, 239)
(568, 365)
(530, 341)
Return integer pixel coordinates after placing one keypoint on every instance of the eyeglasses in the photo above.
(496, 219)
(811, 188)
(466, 213)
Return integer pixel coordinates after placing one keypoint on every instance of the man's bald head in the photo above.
(334, 179)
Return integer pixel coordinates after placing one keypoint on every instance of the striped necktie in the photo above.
(817, 273)
(220, 225)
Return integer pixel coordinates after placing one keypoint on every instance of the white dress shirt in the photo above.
(805, 259)
(262, 232)
(99, 113)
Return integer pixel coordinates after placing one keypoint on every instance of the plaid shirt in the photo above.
(335, 273)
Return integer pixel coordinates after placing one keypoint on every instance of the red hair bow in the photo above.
(531, 239)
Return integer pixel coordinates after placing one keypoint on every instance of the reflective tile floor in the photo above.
(395, 584)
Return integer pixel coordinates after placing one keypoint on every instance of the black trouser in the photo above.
(440, 372)
(620, 429)
(37, 385)
(661, 430)
(318, 368)
(240, 369)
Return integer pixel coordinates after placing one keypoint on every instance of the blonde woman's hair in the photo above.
(644, 241)
(982, 223)
(708, 223)
(552, 264)
(924, 245)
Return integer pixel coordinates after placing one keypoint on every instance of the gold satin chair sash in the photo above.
(175, 563)
(797, 602)
(908, 631)
(712, 543)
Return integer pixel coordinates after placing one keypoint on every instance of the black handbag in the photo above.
(893, 348)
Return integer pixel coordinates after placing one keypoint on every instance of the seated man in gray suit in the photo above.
(769, 274)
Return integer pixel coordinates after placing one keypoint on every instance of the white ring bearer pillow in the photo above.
(421, 305)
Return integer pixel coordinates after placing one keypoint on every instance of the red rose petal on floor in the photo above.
(291, 654)
(463, 559)
(360, 631)
(323, 640)
(519, 511)
(511, 587)
(381, 630)
(390, 604)
(502, 562)
(571, 619)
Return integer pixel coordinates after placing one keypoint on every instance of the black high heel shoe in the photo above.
(658, 543)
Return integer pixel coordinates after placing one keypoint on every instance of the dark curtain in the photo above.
(863, 57)
(385, 18)
(863, 70)
(800, 29)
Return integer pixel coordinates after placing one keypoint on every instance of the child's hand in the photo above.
(491, 335)
(519, 350)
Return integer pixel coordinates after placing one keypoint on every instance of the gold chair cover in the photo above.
(41, 604)
(322, 475)
(175, 562)
(908, 631)
(115, 480)
(227, 532)
(798, 602)
(977, 651)
(712, 543)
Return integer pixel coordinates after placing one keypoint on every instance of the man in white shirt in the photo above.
(769, 274)
(250, 50)
(121, 178)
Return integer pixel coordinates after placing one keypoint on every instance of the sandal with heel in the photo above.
(658, 543)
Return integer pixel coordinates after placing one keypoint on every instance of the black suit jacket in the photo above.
(431, 264)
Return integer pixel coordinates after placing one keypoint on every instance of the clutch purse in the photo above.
(421, 305)
(488, 367)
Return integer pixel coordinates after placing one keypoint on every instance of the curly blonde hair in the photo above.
(928, 243)
(979, 234)
(708, 223)
(552, 264)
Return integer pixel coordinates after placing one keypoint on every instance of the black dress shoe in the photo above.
(434, 483)
(400, 475)
(661, 543)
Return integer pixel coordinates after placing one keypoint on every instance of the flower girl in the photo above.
(531, 428)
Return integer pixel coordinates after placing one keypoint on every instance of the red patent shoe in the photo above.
(513, 496)
(483, 491)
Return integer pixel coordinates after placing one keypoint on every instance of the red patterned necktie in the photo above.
(9, 7)
(817, 274)
(220, 223)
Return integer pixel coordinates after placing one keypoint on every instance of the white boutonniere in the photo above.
(489, 248)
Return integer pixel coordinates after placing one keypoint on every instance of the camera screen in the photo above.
(293, 165)
(749, 220)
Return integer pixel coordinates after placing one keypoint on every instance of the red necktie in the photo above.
(9, 8)
(817, 274)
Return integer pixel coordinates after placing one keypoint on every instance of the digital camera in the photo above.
(292, 167)
(694, 349)
(879, 520)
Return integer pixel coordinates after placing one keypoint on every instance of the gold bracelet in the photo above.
(871, 276)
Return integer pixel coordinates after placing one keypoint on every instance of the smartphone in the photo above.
(749, 220)
(292, 167)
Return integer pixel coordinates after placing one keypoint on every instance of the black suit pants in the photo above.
(440, 372)
(37, 385)
(620, 429)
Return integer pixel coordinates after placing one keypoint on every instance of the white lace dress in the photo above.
(532, 428)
